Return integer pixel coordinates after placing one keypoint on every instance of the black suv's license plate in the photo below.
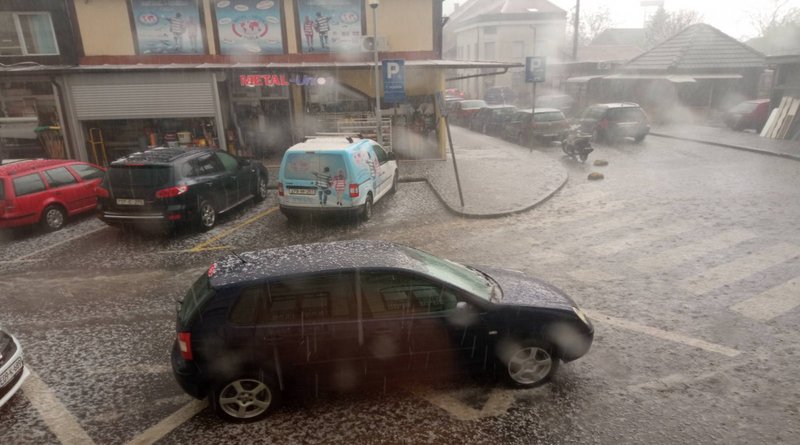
(130, 202)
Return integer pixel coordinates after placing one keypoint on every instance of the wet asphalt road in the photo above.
(685, 255)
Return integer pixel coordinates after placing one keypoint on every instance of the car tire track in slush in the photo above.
(27, 257)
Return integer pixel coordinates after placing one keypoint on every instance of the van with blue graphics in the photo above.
(335, 175)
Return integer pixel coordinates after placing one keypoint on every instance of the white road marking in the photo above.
(584, 234)
(498, 403)
(660, 333)
(62, 242)
(643, 238)
(683, 254)
(681, 379)
(772, 303)
(176, 419)
(592, 275)
(739, 268)
(54, 414)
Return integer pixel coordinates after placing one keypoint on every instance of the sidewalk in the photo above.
(725, 137)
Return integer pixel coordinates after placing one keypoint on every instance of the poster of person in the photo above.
(168, 26)
(329, 25)
(249, 26)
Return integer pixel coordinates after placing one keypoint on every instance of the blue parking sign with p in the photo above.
(394, 82)
(534, 69)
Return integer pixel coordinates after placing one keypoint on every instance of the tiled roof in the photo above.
(698, 47)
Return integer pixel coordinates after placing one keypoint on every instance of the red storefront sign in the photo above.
(280, 80)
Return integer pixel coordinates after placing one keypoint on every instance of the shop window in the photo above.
(27, 34)
(58, 177)
(28, 184)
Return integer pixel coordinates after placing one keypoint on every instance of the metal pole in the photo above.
(378, 123)
(533, 95)
(455, 165)
(575, 31)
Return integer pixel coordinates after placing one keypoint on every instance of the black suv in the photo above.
(165, 186)
(334, 315)
(614, 122)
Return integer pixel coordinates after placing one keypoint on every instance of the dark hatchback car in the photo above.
(545, 126)
(614, 122)
(336, 315)
(490, 118)
(167, 186)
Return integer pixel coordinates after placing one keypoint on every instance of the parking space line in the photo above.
(174, 420)
(62, 242)
(54, 414)
(245, 223)
(662, 334)
(196, 250)
(772, 303)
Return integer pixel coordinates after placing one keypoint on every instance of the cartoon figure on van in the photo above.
(323, 185)
(339, 184)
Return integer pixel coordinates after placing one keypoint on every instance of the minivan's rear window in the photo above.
(313, 166)
(146, 176)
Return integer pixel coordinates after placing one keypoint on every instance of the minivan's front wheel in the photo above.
(245, 398)
(53, 218)
(528, 363)
(207, 215)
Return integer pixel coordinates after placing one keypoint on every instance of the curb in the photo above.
(485, 215)
(735, 147)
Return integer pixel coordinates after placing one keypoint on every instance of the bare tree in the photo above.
(593, 22)
(775, 15)
(664, 24)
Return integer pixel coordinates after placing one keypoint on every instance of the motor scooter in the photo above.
(577, 145)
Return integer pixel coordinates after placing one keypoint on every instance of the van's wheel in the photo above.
(528, 363)
(393, 190)
(246, 398)
(639, 138)
(261, 189)
(366, 213)
(53, 218)
(207, 215)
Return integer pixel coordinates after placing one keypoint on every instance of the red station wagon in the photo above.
(46, 191)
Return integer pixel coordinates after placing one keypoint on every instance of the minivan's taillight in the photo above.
(101, 192)
(354, 191)
(280, 189)
(185, 345)
(171, 192)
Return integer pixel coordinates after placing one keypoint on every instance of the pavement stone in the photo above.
(725, 137)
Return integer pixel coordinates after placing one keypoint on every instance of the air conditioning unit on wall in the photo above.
(368, 43)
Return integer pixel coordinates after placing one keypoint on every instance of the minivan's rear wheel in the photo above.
(261, 189)
(393, 190)
(207, 215)
(366, 213)
(245, 398)
(528, 363)
(53, 218)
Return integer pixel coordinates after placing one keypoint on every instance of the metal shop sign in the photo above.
(282, 80)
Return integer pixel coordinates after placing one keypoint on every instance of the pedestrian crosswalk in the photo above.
(683, 254)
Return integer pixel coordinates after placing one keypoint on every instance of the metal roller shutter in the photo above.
(148, 100)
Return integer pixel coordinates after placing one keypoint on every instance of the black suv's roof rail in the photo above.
(161, 154)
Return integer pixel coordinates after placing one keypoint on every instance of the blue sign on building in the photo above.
(535, 69)
(394, 81)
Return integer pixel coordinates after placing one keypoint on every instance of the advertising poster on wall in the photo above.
(330, 25)
(168, 26)
(249, 26)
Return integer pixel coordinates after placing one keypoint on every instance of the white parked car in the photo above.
(13, 371)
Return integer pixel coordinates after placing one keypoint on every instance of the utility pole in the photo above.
(378, 120)
(575, 30)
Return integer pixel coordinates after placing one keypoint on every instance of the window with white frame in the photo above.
(27, 34)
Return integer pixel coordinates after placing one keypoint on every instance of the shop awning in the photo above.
(674, 78)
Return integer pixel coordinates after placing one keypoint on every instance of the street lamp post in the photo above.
(378, 134)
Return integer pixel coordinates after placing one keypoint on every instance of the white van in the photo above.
(334, 175)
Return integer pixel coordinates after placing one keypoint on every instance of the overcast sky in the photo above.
(730, 16)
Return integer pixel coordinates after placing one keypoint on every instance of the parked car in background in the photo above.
(164, 187)
(562, 102)
(335, 175)
(486, 116)
(499, 95)
(46, 191)
(544, 126)
(497, 120)
(464, 111)
(376, 311)
(13, 371)
(750, 114)
(454, 93)
(613, 122)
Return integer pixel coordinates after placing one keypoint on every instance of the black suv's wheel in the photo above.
(527, 363)
(261, 189)
(245, 398)
(53, 218)
(366, 213)
(206, 215)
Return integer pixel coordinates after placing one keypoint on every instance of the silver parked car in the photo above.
(13, 371)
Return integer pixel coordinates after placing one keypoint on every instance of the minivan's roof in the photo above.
(541, 110)
(617, 105)
(328, 143)
(160, 155)
(310, 258)
(30, 165)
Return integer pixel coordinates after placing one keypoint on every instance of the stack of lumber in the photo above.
(784, 121)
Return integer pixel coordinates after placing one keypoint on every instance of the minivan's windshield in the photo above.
(463, 277)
